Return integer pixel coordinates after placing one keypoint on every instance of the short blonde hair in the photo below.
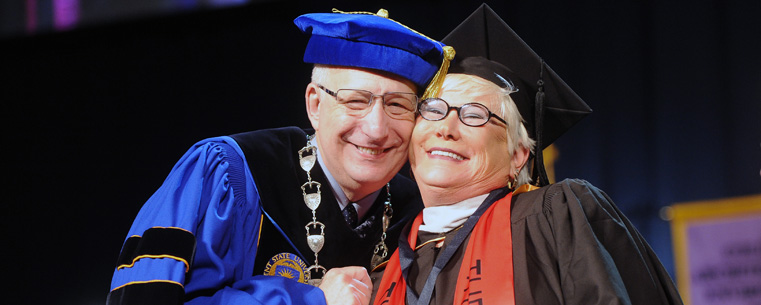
(517, 135)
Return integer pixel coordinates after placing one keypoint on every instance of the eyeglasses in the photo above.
(398, 105)
(471, 114)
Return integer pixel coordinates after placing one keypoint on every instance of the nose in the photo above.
(448, 127)
(375, 123)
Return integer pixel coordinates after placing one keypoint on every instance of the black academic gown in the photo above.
(571, 245)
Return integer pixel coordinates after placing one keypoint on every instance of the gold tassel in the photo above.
(438, 80)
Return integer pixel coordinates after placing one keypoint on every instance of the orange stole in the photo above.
(486, 273)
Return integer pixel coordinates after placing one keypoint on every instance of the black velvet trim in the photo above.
(152, 293)
(159, 241)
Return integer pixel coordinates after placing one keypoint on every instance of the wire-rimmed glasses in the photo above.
(398, 105)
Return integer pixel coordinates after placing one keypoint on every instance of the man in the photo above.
(252, 218)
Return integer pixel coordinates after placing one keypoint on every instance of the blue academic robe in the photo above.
(229, 209)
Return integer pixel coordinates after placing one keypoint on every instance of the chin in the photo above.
(440, 179)
(373, 174)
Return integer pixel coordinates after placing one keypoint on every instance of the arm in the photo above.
(602, 258)
(195, 239)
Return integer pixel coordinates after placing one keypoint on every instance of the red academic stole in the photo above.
(486, 273)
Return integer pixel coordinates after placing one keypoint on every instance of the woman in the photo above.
(563, 244)
(485, 236)
(570, 244)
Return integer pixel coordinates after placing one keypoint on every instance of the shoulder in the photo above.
(214, 152)
(270, 152)
(406, 195)
(219, 157)
(207, 155)
(580, 197)
(404, 185)
(560, 197)
(270, 140)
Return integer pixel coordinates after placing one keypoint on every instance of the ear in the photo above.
(312, 97)
(520, 157)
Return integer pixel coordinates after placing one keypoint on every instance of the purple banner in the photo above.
(724, 258)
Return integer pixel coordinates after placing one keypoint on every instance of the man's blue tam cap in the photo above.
(373, 41)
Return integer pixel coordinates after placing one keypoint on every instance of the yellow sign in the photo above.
(717, 250)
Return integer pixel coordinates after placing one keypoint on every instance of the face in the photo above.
(364, 152)
(452, 161)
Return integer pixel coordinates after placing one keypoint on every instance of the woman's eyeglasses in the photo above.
(471, 114)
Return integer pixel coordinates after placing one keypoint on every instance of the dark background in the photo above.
(95, 113)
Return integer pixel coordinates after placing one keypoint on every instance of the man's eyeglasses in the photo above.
(471, 114)
(398, 105)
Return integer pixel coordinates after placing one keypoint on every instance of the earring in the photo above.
(511, 183)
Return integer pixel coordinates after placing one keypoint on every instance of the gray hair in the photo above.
(517, 135)
(320, 74)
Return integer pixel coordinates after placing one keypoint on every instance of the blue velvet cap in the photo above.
(366, 40)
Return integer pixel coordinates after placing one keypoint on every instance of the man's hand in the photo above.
(347, 285)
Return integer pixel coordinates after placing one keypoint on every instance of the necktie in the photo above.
(350, 214)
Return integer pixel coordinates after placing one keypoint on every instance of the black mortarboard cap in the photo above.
(486, 45)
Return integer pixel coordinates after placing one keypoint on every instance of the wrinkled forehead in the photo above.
(460, 89)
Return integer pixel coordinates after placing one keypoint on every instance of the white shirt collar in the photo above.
(362, 206)
(444, 218)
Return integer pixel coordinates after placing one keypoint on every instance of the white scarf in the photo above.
(444, 218)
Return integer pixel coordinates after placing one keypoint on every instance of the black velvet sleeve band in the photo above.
(159, 241)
